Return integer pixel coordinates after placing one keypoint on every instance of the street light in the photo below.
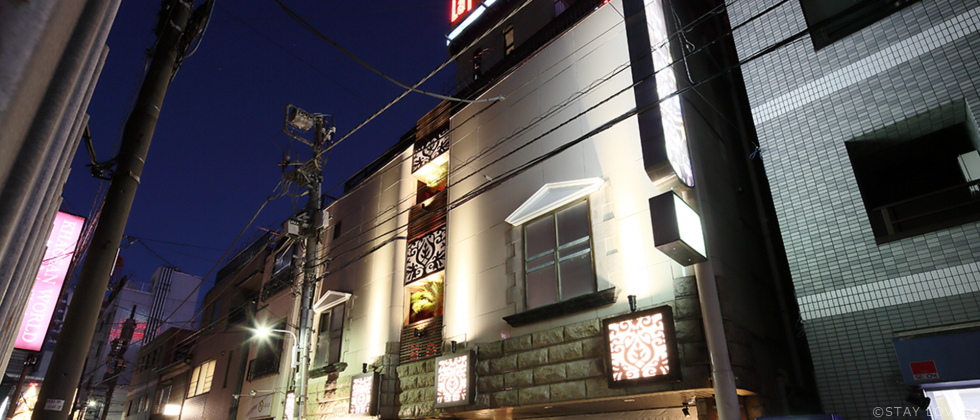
(261, 332)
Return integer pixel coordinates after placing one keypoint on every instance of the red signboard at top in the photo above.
(47, 286)
(460, 8)
(924, 371)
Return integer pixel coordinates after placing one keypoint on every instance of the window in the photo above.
(508, 39)
(918, 175)
(284, 260)
(163, 397)
(201, 379)
(329, 337)
(215, 312)
(832, 20)
(336, 230)
(129, 408)
(558, 256)
(267, 354)
(144, 404)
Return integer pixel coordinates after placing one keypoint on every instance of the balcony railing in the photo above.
(948, 207)
(278, 283)
(263, 366)
(421, 340)
(244, 257)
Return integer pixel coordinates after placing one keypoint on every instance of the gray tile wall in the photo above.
(806, 104)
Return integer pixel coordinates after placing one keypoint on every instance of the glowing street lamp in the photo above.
(262, 332)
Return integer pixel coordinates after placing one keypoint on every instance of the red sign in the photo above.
(47, 286)
(924, 371)
(460, 8)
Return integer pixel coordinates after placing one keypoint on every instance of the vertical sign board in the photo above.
(50, 277)
(641, 348)
(363, 395)
(454, 380)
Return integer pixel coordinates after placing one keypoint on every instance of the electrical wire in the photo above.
(357, 12)
(483, 188)
(297, 57)
(510, 174)
(298, 19)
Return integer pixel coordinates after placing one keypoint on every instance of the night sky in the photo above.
(212, 161)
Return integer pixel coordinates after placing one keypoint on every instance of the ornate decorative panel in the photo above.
(454, 380)
(362, 401)
(426, 255)
(641, 348)
(430, 150)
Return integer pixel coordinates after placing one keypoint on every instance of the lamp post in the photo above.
(265, 332)
(298, 377)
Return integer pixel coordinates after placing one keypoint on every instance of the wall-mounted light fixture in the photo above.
(686, 411)
(649, 334)
(364, 393)
(418, 333)
(452, 346)
(632, 300)
(454, 379)
(677, 229)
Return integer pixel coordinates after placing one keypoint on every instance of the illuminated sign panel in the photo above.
(675, 138)
(677, 229)
(362, 395)
(454, 380)
(459, 8)
(290, 406)
(47, 286)
(641, 348)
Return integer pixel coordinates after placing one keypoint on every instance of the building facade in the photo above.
(51, 55)
(505, 237)
(865, 116)
(166, 301)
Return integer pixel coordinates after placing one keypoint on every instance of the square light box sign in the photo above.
(641, 348)
(677, 229)
(364, 395)
(454, 380)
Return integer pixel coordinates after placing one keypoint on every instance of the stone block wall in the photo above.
(417, 382)
(329, 397)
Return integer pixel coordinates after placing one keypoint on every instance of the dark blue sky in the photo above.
(213, 158)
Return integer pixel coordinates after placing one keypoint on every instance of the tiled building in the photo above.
(865, 116)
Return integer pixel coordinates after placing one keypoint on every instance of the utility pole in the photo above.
(310, 175)
(176, 29)
(116, 362)
(28, 362)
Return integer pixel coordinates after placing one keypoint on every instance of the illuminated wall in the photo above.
(583, 69)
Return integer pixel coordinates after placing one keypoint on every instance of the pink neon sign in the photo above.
(47, 287)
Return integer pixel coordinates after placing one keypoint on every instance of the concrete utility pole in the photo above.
(310, 175)
(175, 31)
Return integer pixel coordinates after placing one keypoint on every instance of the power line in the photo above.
(541, 158)
(415, 89)
(300, 59)
(357, 12)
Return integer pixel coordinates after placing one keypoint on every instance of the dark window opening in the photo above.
(913, 183)
(336, 230)
(832, 20)
(330, 337)
(558, 256)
